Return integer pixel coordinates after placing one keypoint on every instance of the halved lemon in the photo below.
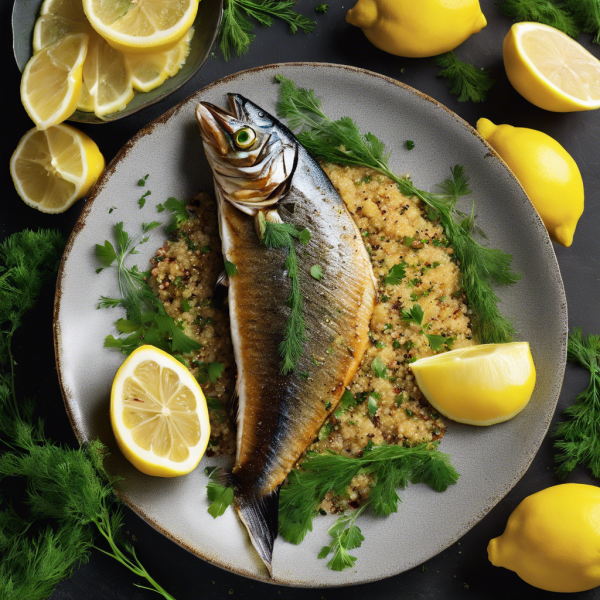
(159, 414)
(149, 70)
(141, 25)
(57, 19)
(51, 82)
(479, 385)
(107, 85)
(53, 168)
(550, 69)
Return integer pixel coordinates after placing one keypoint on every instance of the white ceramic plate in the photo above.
(490, 460)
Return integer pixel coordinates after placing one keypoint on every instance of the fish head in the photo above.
(252, 159)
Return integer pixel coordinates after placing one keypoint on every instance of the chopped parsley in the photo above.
(396, 274)
(142, 200)
(321, 9)
(379, 368)
(142, 182)
(230, 269)
(410, 144)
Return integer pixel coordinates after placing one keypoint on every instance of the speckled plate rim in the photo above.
(163, 119)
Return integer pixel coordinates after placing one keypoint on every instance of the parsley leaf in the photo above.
(379, 368)
(396, 274)
(142, 200)
(373, 402)
(179, 210)
(206, 371)
(436, 342)
(316, 272)
(410, 144)
(414, 315)
(142, 182)
(219, 492)
(230, 269)
(466, 82)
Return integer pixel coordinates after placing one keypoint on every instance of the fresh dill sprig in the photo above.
(341, 142)
(466, 82)
(68, 494)
(547, 12)
(586, 14)
(578, 438)
(147, 321)
(393, 467)
(282, 235)
(236, 32)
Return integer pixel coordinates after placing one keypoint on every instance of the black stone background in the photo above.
(461, 571)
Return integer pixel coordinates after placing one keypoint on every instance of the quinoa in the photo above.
(184, 276)
(396, 230)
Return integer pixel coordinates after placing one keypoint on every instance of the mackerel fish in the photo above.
(262, 172)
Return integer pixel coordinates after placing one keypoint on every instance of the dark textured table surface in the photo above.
(461, 571)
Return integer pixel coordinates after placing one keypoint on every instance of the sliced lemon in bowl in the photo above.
(478, 385)
(150, 70)
(53, 168)
(143, 25)
(107, 85)
(57, 19)
(52, 79)
(159, 414)
(550, 69)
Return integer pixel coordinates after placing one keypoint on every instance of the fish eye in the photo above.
(245, 137)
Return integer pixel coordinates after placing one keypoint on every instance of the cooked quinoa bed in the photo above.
(396, 231)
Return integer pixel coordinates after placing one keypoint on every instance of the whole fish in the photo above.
(261, 171)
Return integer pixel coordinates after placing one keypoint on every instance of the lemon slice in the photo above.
(149, 70)
(159, 414)
(141, 25)
(550, 69)
(479, 385)
(51, 82)
(57, 19)
(53, 168)
(107, 85)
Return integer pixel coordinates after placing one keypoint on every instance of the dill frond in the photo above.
(341, 142)
(578, 438)
(547, 12)
(466, 82)
(282, 235)
(236, 33)
(586, 14)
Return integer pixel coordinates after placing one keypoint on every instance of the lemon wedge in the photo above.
(51, 82)
(53, 168)
(479, 385)
(550, 69)
(143, 25)
(107, 85)
(159, 414)
(149, 70)
(57, 19)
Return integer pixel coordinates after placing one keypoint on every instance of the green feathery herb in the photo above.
(578, 440)
(236, 32)
(321, 9)
(392, 467)
(547, 12)
(586, 14)
(147, 321)
(68, 494)
(282, 235)
(341, 142)
(465, 81)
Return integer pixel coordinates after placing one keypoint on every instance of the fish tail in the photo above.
(259, 513)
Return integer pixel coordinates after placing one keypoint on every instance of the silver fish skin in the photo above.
(278, 415)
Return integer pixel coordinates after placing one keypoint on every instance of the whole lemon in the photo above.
(417, 29)
(552, 539)
(546, 170)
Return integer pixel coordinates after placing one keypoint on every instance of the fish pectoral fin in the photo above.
(260, 516)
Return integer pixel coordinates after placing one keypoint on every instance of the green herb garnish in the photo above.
(392, 467)
(281, 235)
(179, 210)
(236, 32)
(206, 371)
(396, 274)
(321, 9)
(379, 368)
(230, 269)
(147, 321)
(68, 494)
(547, 12)
(410, 144)
(341, 142)
(465, 81)
(587, 15)
(142, 200)
(316, 272)
(578, 438)
(219, 492)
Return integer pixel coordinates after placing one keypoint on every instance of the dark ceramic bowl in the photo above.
(207, 23)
